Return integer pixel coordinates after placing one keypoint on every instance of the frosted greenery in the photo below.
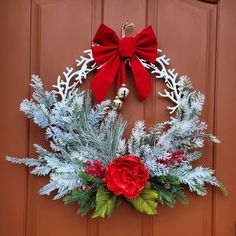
(78, 131)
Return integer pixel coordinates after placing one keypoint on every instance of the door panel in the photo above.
(196, 28)
(49, 36)
(186, 31)
(57, 42)
(14, 79)
(224, 213)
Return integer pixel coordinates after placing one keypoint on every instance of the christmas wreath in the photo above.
(89, 161)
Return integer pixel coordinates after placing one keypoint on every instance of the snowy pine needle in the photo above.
(78, 131)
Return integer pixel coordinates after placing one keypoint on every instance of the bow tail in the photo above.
(121, 78)
(103, 79)
(142, 78)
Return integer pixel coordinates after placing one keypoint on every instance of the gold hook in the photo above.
(124, 27)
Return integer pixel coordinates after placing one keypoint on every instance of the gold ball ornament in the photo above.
(116, 104)
(123, 92)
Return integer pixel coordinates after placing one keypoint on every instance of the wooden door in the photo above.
(43, 36)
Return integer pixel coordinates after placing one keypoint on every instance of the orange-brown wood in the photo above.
(44, 36)
(224, 211)
(210, 1)
(192, 36)
(14, 79)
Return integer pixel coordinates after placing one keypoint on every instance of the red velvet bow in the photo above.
(112, 54)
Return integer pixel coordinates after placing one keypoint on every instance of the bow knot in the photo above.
(111, 55)
(127, 46)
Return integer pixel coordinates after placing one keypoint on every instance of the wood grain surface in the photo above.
(44, 36)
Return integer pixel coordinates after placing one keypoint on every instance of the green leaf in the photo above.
(106, 201)
(146, 202)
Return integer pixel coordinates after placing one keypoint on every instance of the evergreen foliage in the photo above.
(78, 131)
(168, 188)
(85, 199)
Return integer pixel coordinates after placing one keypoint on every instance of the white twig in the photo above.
(170, 77)
(86, 64)
(72, 77)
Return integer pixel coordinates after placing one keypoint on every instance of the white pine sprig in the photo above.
(77, 132)
(196, 178)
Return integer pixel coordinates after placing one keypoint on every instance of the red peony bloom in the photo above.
(127, 176)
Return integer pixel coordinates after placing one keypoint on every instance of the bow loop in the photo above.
(105, 36)
(102, 54)
(146, 44)
(112, 53)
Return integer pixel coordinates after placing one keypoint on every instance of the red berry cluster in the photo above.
(96, 169)
(174, 157)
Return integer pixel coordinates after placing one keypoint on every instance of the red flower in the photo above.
(126, 176)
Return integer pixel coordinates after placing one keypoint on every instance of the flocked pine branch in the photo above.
(196, 178)
(78, 131)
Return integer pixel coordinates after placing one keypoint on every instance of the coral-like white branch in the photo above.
(83, 68)
(86, 64)
(73, 77)
(161, 72)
